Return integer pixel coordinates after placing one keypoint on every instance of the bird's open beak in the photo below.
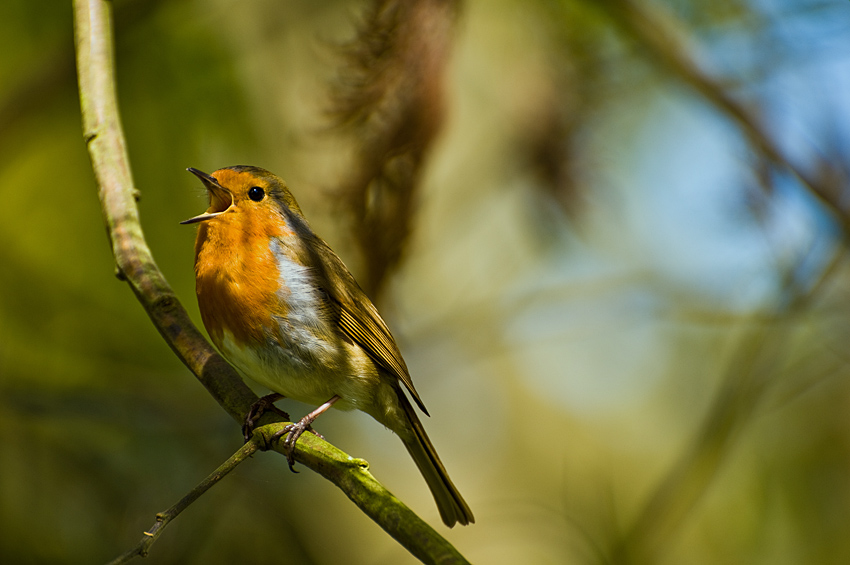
(220, 198)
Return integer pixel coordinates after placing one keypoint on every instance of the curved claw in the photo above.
(294, 431)
(260, 407)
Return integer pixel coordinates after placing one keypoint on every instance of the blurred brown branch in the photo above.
(389, 97)
(105, 140)
(658, 32)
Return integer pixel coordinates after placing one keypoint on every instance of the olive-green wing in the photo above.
(370, 331)
(359, 319)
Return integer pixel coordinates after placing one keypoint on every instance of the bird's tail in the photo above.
(452, 506)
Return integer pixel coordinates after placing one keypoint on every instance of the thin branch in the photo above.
(350, 474)
(163, 518)
(105, 140)
(53, 77)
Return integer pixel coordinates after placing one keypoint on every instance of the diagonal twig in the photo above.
(656, 31)
(163, 518)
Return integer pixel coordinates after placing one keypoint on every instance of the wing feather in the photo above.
(358, 318)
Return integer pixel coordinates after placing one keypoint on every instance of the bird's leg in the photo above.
(257, 409)
(294, 431)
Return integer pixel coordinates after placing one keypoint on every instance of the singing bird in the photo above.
(285, 311)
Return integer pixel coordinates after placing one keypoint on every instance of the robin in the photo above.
(285, 311)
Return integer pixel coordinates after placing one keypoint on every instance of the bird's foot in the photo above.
(294, 431)
(260, 407)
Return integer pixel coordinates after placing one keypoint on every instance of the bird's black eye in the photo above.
(256, 193)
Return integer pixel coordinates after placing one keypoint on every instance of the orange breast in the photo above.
(236, 277)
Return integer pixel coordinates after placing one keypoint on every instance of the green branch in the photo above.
(105, 140)
(107, 149)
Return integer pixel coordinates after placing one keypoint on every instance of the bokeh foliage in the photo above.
(627, 321)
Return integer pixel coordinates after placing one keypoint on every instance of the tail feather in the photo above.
(452, 506)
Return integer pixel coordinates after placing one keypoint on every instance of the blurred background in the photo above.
(610, 237)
